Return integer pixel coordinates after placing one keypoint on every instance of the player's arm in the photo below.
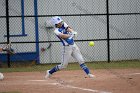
(73, 33)
(69, 29)
(64, 36)
(61, 35)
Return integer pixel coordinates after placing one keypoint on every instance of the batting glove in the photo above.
(75, 33)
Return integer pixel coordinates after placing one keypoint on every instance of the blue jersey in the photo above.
(58, 31)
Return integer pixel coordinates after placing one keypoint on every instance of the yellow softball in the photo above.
(91, 43)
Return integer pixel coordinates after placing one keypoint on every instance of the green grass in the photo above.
(75, 66)
(114, 65)
(111, 65)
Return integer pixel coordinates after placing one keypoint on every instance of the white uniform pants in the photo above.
(68, 51)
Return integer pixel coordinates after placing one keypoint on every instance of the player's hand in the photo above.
(75, 33)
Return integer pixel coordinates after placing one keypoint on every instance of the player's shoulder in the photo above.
(65, 25)
(56, 30)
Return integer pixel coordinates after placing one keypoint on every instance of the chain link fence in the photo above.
(112, 24)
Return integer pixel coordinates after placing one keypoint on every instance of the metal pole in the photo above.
(36, 29)
(108, 38)
(7, 26)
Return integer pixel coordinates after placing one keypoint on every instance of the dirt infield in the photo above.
(74, 81)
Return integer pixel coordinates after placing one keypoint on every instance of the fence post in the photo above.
(8, 36)
(36, 30)
(108, 38)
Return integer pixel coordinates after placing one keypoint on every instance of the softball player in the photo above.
(7, 49)
(66, 36)
(3, 49)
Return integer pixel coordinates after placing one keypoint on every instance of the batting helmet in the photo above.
(55, 20)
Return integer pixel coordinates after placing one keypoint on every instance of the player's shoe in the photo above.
(91, 76)
(47, 75)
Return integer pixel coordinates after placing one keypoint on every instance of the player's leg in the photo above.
(64, 62)
(78, 56)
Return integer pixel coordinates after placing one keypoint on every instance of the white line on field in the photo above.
(36, 80)
(85, 89)
(73, 87)
(133, 74)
